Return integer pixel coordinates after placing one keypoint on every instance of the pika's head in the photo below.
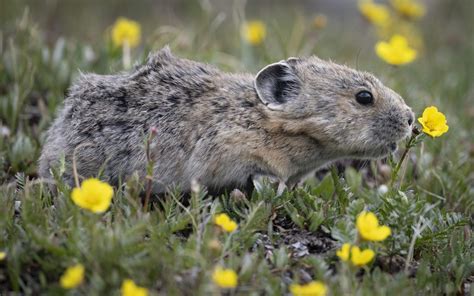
(350, 113)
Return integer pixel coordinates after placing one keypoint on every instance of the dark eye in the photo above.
(364, 97)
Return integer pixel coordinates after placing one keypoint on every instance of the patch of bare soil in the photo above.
(300, 242)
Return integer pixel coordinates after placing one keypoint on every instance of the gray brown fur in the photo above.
(222, 129)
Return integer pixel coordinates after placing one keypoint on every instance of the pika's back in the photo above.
(159, 79)
(107, 117)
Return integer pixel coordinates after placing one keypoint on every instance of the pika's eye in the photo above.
(364, 97)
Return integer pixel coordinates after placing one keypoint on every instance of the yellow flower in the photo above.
(378, 14)
(320, 21)
(72, 277)
(224, 278)
(409, 8)
(253, 32)
(313, 288)
(3, 255)
(225, 222)
(345, 252)
(126, 31)
(433, 122)
(396, 51)
(129, 288)
(369, 228)
(361, 258)
(354, 253)
(93, 195)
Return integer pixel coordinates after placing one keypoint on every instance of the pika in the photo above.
(221, 129)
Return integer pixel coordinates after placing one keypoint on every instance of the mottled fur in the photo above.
(222, 129)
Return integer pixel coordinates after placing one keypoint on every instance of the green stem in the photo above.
(410, 144)
(339, 190)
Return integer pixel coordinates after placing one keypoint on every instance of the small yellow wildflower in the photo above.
(253, 32)
(126, 31)
(225, 222)
(361, 258)
(72, 277)
(320, 21)
(313, 288)
(433, 122)
(396, 51)
(93, 195)
(129, 288)
(356, 256)
(3, 255)
(409, 8)
(344, 252)
(369, 228)
(224, 278)
(378, 14)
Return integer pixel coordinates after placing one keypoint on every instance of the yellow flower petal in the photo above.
(93, 195)
(313, 288)
(356, 256)
(253, 32)
(409, 8)
(381, 233)
(361, 258)
(3, 255)
(366, 221)
(378, 14)
(126, 31)
(230, 226)
(344, 252)
(221, 219)
(396, 51)
(433, 122)
(399, 41)
(129, 288)
(369, 229)
(225, 222)
(224, 278)
(72, 277)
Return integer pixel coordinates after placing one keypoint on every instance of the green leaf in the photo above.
(353, 179)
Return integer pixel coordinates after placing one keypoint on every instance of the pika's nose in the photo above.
(411, 117)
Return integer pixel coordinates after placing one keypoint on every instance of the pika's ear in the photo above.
(277, 84)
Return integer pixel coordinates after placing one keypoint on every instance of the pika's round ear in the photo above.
(277, 84)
